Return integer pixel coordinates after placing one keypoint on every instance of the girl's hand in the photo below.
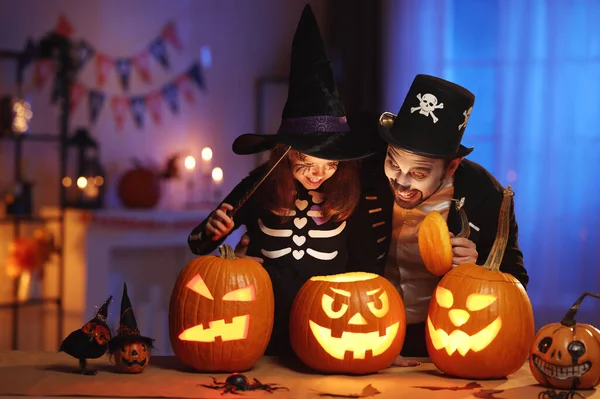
(219, 224)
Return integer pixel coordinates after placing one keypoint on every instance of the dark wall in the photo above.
(354, 47)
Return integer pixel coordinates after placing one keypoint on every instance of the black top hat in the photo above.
(313, 119)
(432, 119)
(128, 330)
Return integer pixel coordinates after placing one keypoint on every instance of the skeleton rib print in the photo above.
(302, 235)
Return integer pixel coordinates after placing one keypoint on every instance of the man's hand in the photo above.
(463, 251)
(242, 248)
(401, 361)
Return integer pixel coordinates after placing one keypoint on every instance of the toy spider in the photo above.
(553, 394)
(239, 382)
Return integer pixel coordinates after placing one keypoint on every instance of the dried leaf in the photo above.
(470, 385)
(367, 391)
(488, 393)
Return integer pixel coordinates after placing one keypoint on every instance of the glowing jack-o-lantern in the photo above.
(352, 323)
(221, 313)
(564, 354)
(480, 320)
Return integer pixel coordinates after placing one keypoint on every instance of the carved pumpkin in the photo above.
(564, 354)
(434, 244)
(480, 320)
(352, 323)
(139, 187)
(221, 313)
(132, 357)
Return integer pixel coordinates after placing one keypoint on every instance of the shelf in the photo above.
(29, 302)
(41, 137)
(10, 54)
(29, 219)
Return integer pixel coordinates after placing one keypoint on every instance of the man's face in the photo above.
(311, 172)
(414, 178)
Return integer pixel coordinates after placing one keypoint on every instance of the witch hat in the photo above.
(102, 313)
(313, 119)
(432, 120)
(128, 330)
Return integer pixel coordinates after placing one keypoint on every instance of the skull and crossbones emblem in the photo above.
(427, 104)
(467, 115)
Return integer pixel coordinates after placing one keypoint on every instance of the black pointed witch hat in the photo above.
(128, 330)
(102, 313)
(313, 119)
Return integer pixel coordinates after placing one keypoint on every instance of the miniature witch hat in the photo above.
(102, 313)
(128, 330)
(313, 119)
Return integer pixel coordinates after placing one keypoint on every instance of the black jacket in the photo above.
(483, 196)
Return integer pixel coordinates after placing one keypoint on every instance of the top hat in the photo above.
(128, 330)
(432, 119)
(313, 119)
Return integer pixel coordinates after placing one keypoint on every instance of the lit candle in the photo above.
(217, 176)
(190, 163)
(207, 155)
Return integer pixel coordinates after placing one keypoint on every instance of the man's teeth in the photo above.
(409, 194)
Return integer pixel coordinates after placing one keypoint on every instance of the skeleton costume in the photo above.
(300, 242)
(431, 123)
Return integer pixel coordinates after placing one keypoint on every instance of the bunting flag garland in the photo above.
(138, 106)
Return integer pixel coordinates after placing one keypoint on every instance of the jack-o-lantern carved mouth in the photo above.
(355, 343)
(560, 372)
(461, 341)
(128, 363)
(237, 329)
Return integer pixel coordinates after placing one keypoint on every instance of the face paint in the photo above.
(311, 172)
(413, 178)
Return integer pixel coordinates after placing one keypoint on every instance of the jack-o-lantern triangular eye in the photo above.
(444, 297)
(245, 294)
(480, 301)
(199, 286)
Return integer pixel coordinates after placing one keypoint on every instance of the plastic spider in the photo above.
(553, 394)
(239, 382)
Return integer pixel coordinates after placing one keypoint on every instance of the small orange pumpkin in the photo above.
(139, 187)
(221, 312)
(132, 357)
(480, 321)
(564, 354)
(434, 244)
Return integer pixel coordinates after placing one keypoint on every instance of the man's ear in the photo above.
(453, 166)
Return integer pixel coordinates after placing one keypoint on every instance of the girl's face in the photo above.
(311, 172)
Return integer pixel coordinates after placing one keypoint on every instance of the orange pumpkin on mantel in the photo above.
(221, 313)
(564, 354)
(480, 320)
(351, 323)
(139, 187)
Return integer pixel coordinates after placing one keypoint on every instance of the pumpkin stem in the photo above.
(569, 319)
(227, 252)
(497, 252)
(465, 230)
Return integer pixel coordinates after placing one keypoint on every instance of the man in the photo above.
(422, 163)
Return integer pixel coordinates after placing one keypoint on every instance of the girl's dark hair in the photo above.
(341, 191)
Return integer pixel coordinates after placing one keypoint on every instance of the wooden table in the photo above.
(49, 374)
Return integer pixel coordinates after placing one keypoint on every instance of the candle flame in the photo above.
(189, 162)
(207, 154)
(217, 174)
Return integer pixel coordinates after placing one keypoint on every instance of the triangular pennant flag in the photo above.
(119, 107)
(77, 91)
(95, 103)
(170, 34)
(197, 74)
(85, 52)
(123, 66)
(103, 65)
(63, 27)
(185, 86)
(159, 51)
(138, 108)
(142, 64)
(169, 92)
(43, 69)
(28, 55)
(154, 103)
